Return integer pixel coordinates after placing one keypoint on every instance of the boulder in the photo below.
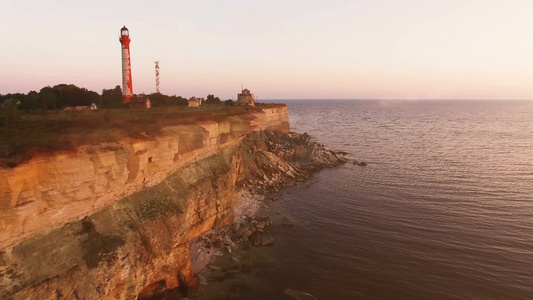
(267, 238)
(286, 222)
(246, 234)
(331, 157)
(227, 240)
(243, 229)
(262, 218)
(201, 278)
(257, 238)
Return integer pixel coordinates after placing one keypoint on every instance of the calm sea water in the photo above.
(444, 209)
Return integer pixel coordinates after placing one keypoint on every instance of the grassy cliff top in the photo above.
(51, 131)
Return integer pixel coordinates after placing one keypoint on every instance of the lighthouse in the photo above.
(127, 87)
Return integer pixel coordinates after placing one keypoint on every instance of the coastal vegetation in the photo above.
(63, 95)
(39, 125)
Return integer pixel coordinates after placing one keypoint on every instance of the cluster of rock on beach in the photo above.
(275, 161)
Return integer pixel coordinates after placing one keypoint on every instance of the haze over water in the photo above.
(444, 209)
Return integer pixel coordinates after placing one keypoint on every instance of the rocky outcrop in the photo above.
(272, 161)
(115, 221)
(275, 161)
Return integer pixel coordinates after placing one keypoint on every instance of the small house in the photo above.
(140, 103)
(195, 102)
(9, 102)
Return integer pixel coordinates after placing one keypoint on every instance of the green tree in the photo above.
(48, 98)
(159, 99)
(178, 101)
(211, 99)
(92, 97)
(112, 97)
(9, 115)
(30, 101)
(71, 95)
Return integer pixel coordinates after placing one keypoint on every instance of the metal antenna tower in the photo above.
(157, 77)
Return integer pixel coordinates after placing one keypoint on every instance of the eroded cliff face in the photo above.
(111, 220)
(51, 190)
(137, 241)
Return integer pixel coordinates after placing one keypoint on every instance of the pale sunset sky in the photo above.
(371, 49)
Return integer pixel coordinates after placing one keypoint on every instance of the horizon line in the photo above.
(396, 99)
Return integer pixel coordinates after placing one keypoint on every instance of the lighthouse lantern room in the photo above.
(127, 87)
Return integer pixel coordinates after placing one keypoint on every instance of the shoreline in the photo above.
(220, 255)
(232, 273)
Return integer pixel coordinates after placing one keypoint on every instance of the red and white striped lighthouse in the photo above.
(127, 87)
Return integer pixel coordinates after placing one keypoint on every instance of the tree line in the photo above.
(64, 95)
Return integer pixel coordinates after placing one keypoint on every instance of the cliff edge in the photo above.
(114, 220)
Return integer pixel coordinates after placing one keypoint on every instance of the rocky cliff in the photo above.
(114, 220)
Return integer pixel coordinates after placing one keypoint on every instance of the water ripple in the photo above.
(444, 210)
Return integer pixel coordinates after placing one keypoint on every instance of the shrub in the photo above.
(9, 115)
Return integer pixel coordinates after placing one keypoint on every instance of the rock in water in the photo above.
(299, 295)
(362, 163)
(267, 238)
(243, 229)
(286, 222)
(331, 157)
(262, 218)
(201, 278)
(257, 239)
